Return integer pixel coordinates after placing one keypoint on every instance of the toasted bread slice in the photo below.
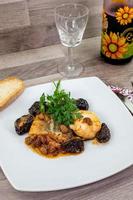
(10, 89)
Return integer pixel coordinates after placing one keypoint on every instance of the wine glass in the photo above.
(71, 20)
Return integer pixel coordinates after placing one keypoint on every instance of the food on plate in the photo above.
(60, 125)
(75, 145)
(52, 144)
(60, 106)
(82, 104)
(40, 125)
(10, 89)
(35, 108)
(51, 138)
(103, 135)
(23, 124)
(88, 126)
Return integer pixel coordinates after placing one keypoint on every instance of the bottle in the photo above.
(117, 31)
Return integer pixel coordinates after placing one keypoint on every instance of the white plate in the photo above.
(28, 171)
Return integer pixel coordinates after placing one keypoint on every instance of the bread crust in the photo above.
(12, 97)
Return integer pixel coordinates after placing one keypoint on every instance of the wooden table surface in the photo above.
(39, 66)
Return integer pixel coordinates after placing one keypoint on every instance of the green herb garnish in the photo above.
(60, 106)
(42, 103)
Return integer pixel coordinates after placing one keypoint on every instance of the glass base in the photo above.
(70, 72)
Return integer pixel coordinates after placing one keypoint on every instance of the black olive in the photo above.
(74, 145)
(23, 124)
(82, 104)
(103, 135)
(35, 109)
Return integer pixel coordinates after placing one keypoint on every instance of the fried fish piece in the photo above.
(40, 125)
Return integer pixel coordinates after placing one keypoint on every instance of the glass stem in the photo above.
(70, 59)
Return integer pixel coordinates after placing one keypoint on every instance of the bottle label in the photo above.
(117, 30)
(119, 1)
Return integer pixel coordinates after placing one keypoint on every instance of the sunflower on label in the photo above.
(117, 31)
(114, 46)
(124, 15)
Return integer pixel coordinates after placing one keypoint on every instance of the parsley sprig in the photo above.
(60, 106)
(42, 103)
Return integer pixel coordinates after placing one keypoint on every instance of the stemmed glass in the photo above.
(71, 20)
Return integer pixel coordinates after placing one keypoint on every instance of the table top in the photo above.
(40, 65)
